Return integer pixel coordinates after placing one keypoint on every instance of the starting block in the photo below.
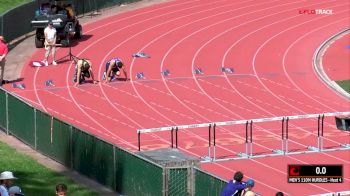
(141, 55)
(227, 70)
(198, 71)
(140, 75)
(49, 83)
(165, 72)
(20, 86)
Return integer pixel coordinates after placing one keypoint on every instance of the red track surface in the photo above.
(336, 59)
(268, 43)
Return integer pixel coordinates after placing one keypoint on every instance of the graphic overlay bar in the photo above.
(315, 173)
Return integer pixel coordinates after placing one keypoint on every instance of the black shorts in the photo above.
(114, 70)
(84, 74)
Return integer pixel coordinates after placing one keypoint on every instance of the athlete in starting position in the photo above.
(83, 69)
(113, 68)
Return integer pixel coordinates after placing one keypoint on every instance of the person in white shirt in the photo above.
(50, 41)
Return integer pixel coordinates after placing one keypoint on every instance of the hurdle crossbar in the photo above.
(249, 124)
(236, 122)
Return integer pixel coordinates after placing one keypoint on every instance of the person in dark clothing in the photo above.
(113, 68)
(83, 69)
(234, 187)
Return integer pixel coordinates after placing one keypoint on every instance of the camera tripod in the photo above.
(70, 55)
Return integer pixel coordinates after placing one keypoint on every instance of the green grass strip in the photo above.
(345, 84)
(33, 178)
(9, 4)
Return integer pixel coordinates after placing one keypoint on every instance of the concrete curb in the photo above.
(318, 63)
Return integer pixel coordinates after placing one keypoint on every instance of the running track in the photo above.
(269, 45)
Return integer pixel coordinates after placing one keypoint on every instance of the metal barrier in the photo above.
(249, 136)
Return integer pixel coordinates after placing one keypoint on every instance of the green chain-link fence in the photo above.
(93, 157)
(177, 179)
(206, 184)
(134, 173)
(21, 120)
(3, 110)
(53, 137)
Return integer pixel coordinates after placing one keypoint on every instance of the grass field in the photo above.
(345, 84)
(9, 4)
(33, 178)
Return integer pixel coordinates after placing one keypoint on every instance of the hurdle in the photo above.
(248, 154)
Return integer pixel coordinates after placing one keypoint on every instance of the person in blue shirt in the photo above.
(234, 187)
(113, 68)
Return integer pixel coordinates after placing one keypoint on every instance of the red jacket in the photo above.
(3, 48)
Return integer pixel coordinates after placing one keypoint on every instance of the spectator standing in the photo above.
(15, 191)
(6, 181)
(50, 43)
(248, 190)
(61, 189)
(234, 187)
(3, 53)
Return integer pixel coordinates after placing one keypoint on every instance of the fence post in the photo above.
(71, 146)
(2, 25)
(139, 140)
(35, 129)
(191, 180)
(165, 181)
(7, 113)
(114, 170)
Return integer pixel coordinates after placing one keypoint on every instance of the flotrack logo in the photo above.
(316, 11)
